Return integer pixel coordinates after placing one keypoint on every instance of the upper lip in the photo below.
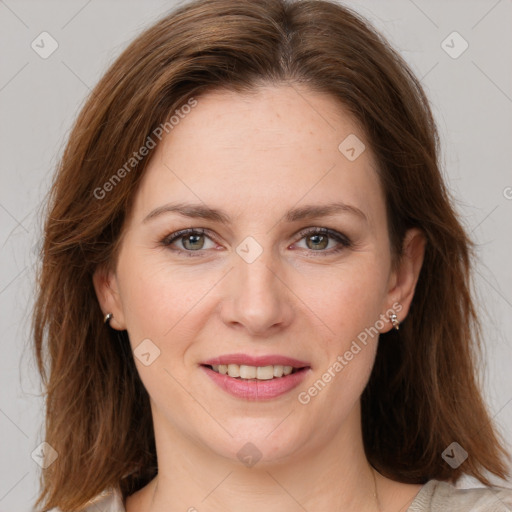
(246, 359)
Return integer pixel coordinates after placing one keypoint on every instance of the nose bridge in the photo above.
(259, 297)
(255, 277)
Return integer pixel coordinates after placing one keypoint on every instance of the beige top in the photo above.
(434, 496)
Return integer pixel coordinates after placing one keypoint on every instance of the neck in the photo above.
(331, 477)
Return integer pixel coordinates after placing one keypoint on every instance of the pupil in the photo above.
(315, 240)
(192, 239)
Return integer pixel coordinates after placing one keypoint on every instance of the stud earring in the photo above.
(107, 318)
(394, 321)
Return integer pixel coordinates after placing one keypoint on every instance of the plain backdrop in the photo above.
(471, 96)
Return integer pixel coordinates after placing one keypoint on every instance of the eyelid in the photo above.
(342, 239)
(176, 235)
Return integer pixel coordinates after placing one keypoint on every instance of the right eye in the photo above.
(191, 240)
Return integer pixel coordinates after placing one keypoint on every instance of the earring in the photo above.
(107, 318)
(394, 321)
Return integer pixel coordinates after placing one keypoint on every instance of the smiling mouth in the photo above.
(245, 372)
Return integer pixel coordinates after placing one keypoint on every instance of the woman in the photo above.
(255, 293)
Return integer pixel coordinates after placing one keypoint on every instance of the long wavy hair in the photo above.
(424, 391)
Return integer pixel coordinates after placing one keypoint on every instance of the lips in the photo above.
(243, 371)
(256, 377)
(245, 359)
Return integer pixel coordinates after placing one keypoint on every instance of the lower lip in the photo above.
(257, 389)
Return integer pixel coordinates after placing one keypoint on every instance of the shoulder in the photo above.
(110, 500)
(438, 496)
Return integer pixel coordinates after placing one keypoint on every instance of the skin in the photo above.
(256, 156)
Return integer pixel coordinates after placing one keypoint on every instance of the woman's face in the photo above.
(252, 284)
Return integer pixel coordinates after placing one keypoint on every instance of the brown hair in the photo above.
(423, 393)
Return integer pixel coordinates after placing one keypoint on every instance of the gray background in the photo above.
(39, 98)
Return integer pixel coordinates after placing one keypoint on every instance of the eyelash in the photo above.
(344, 241)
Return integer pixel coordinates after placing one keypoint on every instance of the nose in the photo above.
(258, 299)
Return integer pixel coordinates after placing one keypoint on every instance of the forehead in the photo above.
(275, 147)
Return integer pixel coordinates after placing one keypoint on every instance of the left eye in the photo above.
(317, 239)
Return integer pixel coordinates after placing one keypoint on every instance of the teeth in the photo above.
(253, 372)
(278, 370)
(265, 372)
(287, 370)
(247, 372)
(233, 370)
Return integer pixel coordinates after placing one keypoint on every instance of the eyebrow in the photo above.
(200, 211)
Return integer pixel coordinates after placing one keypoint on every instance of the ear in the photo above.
(107, 292)
(403, 279)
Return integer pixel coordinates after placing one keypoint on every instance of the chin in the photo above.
(258, 441)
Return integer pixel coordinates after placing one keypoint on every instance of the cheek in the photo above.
(162, 304)
(348, 298)
(351, 311)
(157, 297)
(163, 301)
(349, 305)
